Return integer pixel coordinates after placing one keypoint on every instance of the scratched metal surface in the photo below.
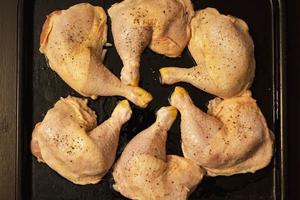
(42, 88)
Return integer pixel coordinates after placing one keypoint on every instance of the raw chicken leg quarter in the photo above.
(224, 53)
(145, 172)
(69, 142)
(72, 40)
(163, 25)
(232, 138)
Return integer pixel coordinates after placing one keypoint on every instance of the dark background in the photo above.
(293, 105)
(8, 104)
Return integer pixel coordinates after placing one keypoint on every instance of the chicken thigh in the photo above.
(232, 138)
(145, 172)
(224, 53)
(163, 25)
(72, 40)
(69, 142)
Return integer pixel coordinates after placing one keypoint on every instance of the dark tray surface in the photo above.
(42, 88)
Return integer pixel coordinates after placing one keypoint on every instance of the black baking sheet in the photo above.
(40, 88)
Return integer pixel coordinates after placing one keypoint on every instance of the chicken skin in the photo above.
(69, 141)
(224, 53)
(145, 172)
(163, 25)
(232, 138)
(72, 40)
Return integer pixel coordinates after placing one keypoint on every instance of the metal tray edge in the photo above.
(279, 25)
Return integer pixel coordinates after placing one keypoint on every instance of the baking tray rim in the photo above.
(279, 60)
